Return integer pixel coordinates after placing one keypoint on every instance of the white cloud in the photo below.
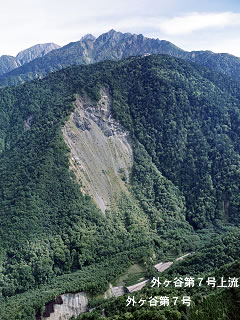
(196, 21)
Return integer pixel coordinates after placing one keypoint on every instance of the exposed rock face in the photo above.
(69, 305)
(49, 308)
(37, 51)
(9, 63)
(114, 46)
(28, 123)
(101, 155)
(88, 37)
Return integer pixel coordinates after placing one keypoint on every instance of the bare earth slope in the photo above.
(101, 154)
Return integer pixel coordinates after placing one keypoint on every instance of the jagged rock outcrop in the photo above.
(66, 306)
(88, 37)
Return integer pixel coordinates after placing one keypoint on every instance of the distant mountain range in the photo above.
(108, 46)
(8, 63)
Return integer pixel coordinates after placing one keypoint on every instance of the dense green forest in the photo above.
(184, 187)
(206, 302)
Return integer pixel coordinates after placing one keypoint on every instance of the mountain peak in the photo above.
(112, 31)
(39, 50)
(88, 37)
(111, 34)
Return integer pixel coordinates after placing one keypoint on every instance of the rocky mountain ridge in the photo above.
(8, 63)
(115, 45)
(37, 51)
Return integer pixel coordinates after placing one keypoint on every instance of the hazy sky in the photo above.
(191, 25)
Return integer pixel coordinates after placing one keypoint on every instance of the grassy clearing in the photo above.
(134, 274)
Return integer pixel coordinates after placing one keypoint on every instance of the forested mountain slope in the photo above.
(207, 302)
(115, 46)
(183, 124)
